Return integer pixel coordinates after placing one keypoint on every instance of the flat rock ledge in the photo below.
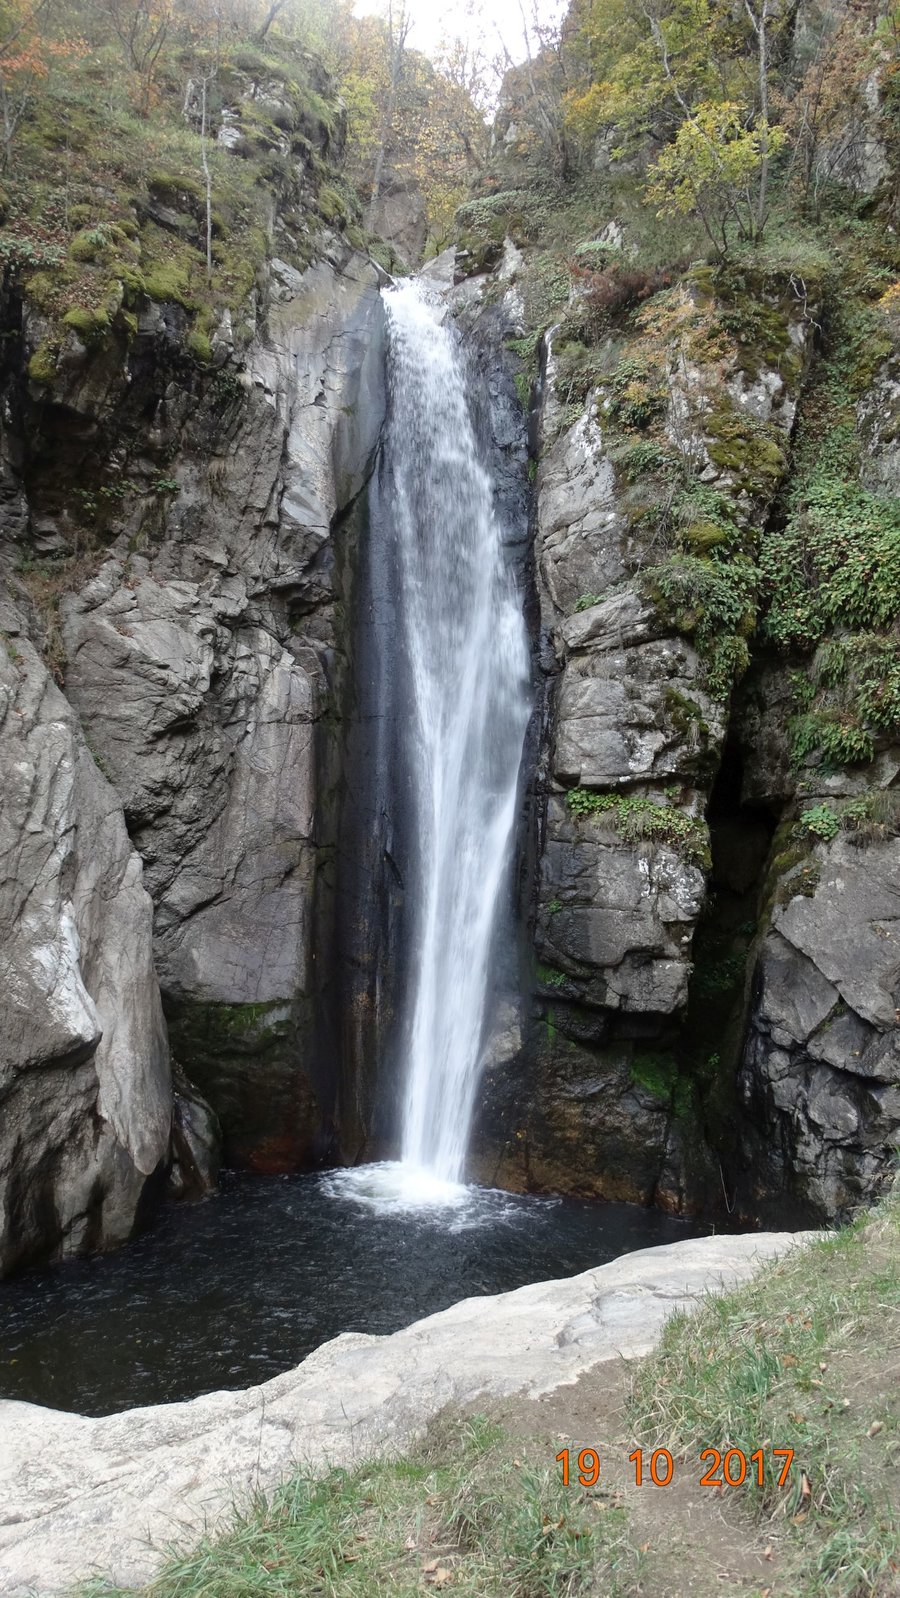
(83, 1496)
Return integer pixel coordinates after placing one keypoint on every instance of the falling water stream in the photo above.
(466, 655)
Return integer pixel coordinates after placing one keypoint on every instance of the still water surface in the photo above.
(236, 1289)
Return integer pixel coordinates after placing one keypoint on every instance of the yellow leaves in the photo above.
(587, 111)
(713, 161)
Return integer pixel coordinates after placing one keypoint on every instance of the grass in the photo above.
(805, 1357)
(459, 1512)
(638, 819)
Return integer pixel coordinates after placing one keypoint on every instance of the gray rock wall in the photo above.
(659, 1053)
(84, 1061)
(169, 816)
(204, 670)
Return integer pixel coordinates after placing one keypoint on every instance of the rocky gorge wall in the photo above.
(169, 819)
(710, 1014)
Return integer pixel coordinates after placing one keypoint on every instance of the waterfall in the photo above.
(464, 638)
(461, 648)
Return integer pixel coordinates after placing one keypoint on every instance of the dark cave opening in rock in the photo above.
(724, 954)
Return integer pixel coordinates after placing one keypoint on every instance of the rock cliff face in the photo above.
(202, 671)
(167, 823)
(84, 1082)
(711, 1004)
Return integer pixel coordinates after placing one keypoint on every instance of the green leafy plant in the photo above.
(821, 821)
(836, 563)
(836, 736)
(713, 601)
(638, 819)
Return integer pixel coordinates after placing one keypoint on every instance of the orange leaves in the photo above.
(31, 59)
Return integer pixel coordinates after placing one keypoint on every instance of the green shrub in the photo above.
(836, 736)
(821, 821)
(638, 820)
(712, 600)
(636, 397)
(644, 457)
(836, 563)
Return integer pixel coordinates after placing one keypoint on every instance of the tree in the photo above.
(695, 74)
(640, 65)
(272, 12)
(827, 116)
(25, 57)
(410, 122)
(711, 169)
(142, 27)
(759, 21)
(543, 76)
(399, 22)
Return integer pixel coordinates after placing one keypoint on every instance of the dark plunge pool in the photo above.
(238, 1288)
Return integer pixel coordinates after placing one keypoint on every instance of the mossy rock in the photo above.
(751, 453)
(476, 255)
(89, 244)
(167, 282)
(174, 189)
(657, 1074)
(134, 287)
(199, 346)
(89, 326)
(701, 537)
(41, 290)
(42, 366)
(684, 714)
(331, 204)
(83, 216)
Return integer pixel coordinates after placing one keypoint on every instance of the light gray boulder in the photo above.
(84, 1061)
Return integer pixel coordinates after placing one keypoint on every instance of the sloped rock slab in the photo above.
(79, 1495)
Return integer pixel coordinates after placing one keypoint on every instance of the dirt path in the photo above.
(695, 1540)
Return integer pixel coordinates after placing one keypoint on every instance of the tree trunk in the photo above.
(204, 156)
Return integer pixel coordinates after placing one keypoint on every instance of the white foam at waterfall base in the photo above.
(395, 1187)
